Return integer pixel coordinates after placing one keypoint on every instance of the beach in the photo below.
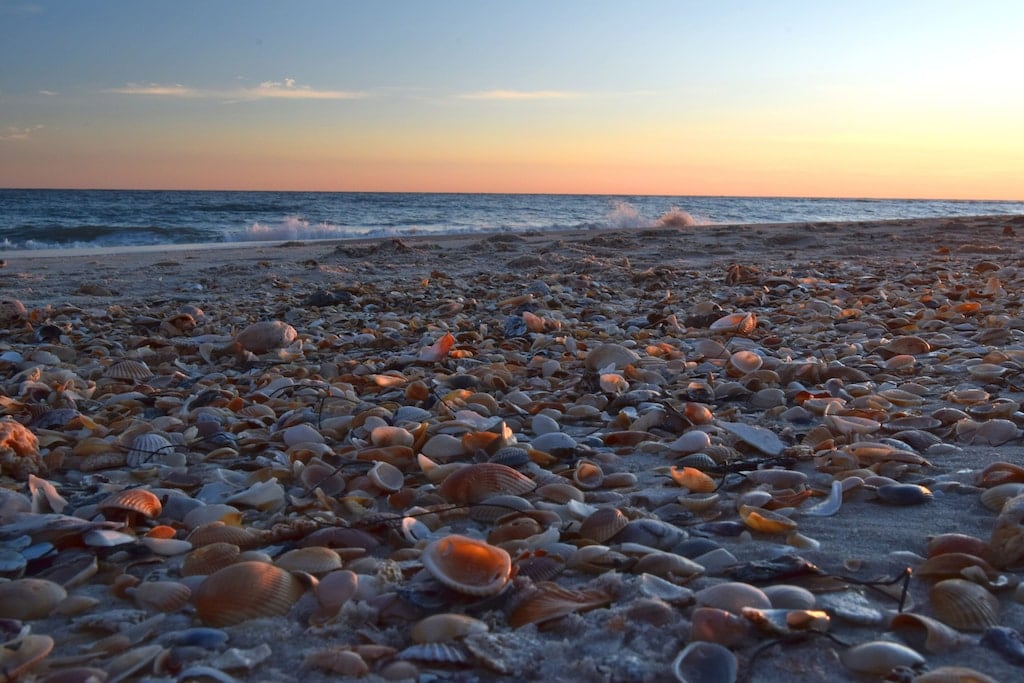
(612, 369)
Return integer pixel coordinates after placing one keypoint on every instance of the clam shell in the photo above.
(312, 560)
(733, 596)
(740, 324)
(439, 628)
(29, 598)
(588, 475)
(702, 662)
(964, 605)
(335, 589)
(467, 565)
(246, 590)
(477, 482)
(266, 336)
(17, 659)
(610, 355)
(925, 633)
(386, 476)
(879, 657)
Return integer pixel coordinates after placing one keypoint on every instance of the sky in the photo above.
(894, 98)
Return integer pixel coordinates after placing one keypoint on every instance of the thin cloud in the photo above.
(12, 133)
(287, 89)
(518, 95)
(48, 93)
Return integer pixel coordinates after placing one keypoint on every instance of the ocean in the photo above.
(76, 219)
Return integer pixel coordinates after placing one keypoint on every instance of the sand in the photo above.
(645, 274)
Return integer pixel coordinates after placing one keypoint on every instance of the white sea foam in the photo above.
(291, 228)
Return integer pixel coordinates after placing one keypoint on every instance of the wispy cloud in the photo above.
(12, 133)
(286, 89)
(48, 93)
(521, 95)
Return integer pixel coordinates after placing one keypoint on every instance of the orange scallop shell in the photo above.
(468, 565)
(142, 501)
(473, 483)
(246, 590)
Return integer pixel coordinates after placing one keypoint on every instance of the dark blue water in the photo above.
(38, 219)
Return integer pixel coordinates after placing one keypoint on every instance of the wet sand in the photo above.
(822, 294)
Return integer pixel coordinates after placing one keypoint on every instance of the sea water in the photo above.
(65, 219)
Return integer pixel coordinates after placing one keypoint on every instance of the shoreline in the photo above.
(525, 312)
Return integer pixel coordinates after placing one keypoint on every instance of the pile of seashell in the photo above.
(471, 477)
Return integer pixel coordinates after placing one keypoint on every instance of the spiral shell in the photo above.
(468, 565)
(246, 590)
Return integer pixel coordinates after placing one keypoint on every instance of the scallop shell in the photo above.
(29, 598)
(467, 565)
(1006, 546)
(162, 596)
(210, 558)
(610, 355)
(246, 590)
(335, 589)
(148, 449)
(964, 605)
(139, 501)
(702, 662)
(129, 369)
(546, 601)
(219, 532)
(477, 482)
(603, 524)
(266, 336)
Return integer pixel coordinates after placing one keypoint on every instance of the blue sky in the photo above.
(855, 99)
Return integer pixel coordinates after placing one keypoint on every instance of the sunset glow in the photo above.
(872, 99)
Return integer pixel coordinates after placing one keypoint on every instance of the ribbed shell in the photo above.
(209, 559)
(550, 601)
(162, 596)
(246, 590)
(141, 501)
(148, 449)
(476, 482)
(602, 524)
(266, 336)
(964, 605)
(129, 369)
(314, 560)
(467, 565)
(219, 532)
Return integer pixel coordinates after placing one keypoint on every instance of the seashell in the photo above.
(953, 674)
(129, 369)
(124, 665)
(964, 605)
(925, 633)
(467, 565)
(743, 363)
(740, 324)
(733, 596)
(515, 529)
(219, 532)
(786, 596)
(301, 433)
(669, 566)
(692, 441)
(995, 498)
(956, 543)
(29, 598)
(950, 565)
(495, 507)
(438, 350)
(613, 356)
(162, 596)
(715, 625)
(439, 628)
(1006, 546)
(20, 657)
(263, 495)
(265, 336)
(338, 660)
(132, 503)
(386, 476)
(905, 345)
(786, 622)
(435, 653)
(703, 662)
(879, 657)
(477, 482)
(657, 587)
(587, 475)
(246, 590)
(760, 438)
(903, 494)
(313, 560)
(209, 558)
(986, 372)
(545, 601)
(766, 521)
(215, 512)
(151, 448)
(603, 524)
(692, 479)
(332, 591)
(830, 505)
